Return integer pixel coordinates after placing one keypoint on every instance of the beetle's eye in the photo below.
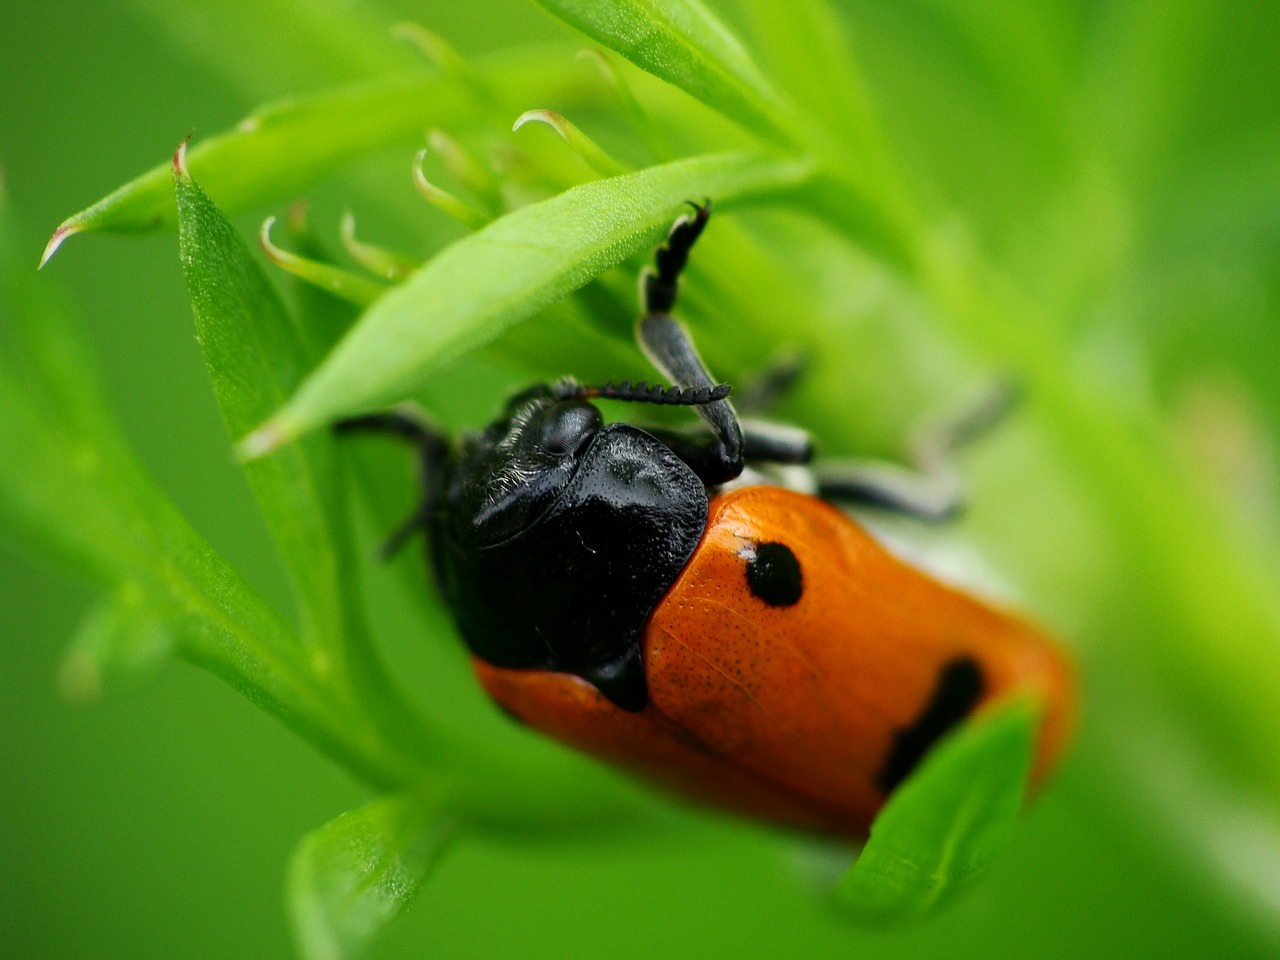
(566, 427)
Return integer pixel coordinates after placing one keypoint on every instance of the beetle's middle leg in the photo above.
(931, 488)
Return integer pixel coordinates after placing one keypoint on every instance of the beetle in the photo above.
(623, 590)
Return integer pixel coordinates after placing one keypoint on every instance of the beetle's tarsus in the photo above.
(662, 285)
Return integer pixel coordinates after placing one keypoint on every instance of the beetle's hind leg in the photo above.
(931, 489)
(433, 452)
(762, 390)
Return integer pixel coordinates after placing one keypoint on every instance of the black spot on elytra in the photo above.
(960, 686)
(773, 573)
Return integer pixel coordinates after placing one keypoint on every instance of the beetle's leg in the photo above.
(718, 458)
(764, 388)
(933, 491)
(767, 442)
(433, 452)
(661, 284)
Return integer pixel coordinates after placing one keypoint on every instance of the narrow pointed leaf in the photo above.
(353, 876)
(264, 45)
(256, 356)
(281, 149)
(78, 495)
(590, 152)
(354, 288)
(470, 172)
(947, 822)
(322, 317)
(76, 491)
(467, 214)
(680, 41)
(278, 151)
(379, 261)
(505, 273)
(637, 119)
(443, 55)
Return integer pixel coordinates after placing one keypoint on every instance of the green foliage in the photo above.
(357, 873)
(279, 150)
(911, 195)
(684, 44)
(503, 274)
(948, 822)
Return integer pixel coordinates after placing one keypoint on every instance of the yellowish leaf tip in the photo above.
(427, 42)
(277, 255)
(599, 58)
(272, 435)
(463, 212)
(65, 229)
(180, 159)
(549, 117)
(264, 237)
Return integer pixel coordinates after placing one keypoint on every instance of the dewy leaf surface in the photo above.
(948, 821)
(494, 278)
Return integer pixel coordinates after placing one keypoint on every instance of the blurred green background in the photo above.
(158, 822)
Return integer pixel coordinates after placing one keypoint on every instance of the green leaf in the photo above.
(78, 493)
(681, 42)
(807, 46)
(284, 147)
(947, 822)
(354, 288)
(505, 273)
(256, 355)
(276, 45)
(120, 643)
(588, 151)
(353, 876)
(278, 151)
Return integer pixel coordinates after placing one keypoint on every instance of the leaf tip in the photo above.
(465, 214)
(180, 159)
(427, 42)
(272, 435)
(65, 229)
(275, 254)
(549, 117)
(587, 149)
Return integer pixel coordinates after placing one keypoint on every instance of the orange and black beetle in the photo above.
(747, 645)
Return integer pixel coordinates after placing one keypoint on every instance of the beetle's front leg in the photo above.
(718, 458)
(433, 453)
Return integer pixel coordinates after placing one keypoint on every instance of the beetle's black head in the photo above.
(507, 476)
(557, 535)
